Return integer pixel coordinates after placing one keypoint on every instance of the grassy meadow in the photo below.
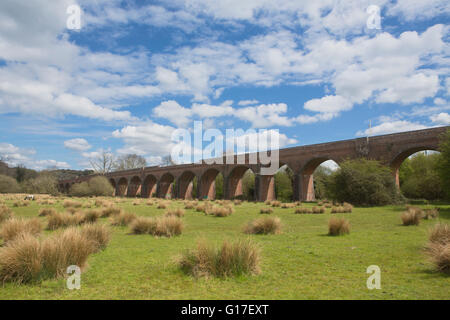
(300, 262)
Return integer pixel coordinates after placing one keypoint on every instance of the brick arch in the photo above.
(149, 186)
(208, 184)
(185, 185)
(398, 159)
(234, 181)
(165, 185)
(306, 177)
(122, 186)
(134, 187)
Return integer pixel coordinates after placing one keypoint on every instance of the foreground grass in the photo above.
(300, 263)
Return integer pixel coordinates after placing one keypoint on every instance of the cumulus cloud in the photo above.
(393, 126)
(15, 156)
(442, 118)
(78, 144)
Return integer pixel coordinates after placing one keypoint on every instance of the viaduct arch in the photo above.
(177, 181)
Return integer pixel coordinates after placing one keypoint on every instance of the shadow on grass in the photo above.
(429, 273)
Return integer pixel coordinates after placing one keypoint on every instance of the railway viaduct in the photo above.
(177, 181)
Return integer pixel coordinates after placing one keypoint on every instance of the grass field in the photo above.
(302, 262)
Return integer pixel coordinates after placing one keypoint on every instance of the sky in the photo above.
(135, 71)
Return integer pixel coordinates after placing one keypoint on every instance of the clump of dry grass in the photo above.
(440, 233)
(62, 220)
(99, 234)
(348, 208)
(123, 219)
(439, 256)
(431, 213)
(411, 217)
(163, 226)
(303, 210)
(178, 212)
(89, 216)
(266, 210)
(46, 212)
(288, 205)
(12, 228)
(189, 205)
(268, 225)
(162, 205)
(110, 211)
(275, 203)
(338, 226)
(220, 211)
(318, 210)
(231, 259)
(237, 202)
(5, 213)
(21, 203)
(72, 204)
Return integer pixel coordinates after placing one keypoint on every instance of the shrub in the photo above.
(440, 234)
(364, 182)
(266, 210)
(44, 183)
(123, 219)
(99, 234)
(337, 227)
(47, 211)
(8, 185)
(232, 259)
(175, 212)
(411, 217)
(5, 213)
(80, 190)
(11, 228)
(100, 186)
(268, 225)
(163, 226)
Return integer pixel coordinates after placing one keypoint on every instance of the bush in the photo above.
(364, 182)
(232, 259)
(5, 213)
(443, 163)
(44, 183)
(269, 225)
(97, 186)
(12, 228)
(8, 185)
(163, 226)
(123, 219)
(337, 227)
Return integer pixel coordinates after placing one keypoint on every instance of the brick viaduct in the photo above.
(391, 149)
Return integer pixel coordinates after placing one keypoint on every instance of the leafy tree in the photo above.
(283, 185)
(248, 185)
(321, 182)
(443, 163)
(364, 182)
(129, 161)
(419, 177)
(8, 185)
(100, 186)
(219, 186)
(44, 183)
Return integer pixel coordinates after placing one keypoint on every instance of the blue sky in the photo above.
(138, 70)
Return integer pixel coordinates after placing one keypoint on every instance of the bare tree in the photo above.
(129, 161)
(167, 161)
(103, 163)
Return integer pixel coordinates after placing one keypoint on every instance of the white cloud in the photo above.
(248, 102)
(328, 104)
(391, 127)
(78, 144)
(442, 118)
(418, 9)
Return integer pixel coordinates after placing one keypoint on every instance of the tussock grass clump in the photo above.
(72, 204)
(318, 210)
(62, 220)
(123, 219)
(5, 213)
(338, 226)
(431, 213)
(440, 233)
(266, 210)
(303, 210)
(189, 205)
(89, 216)
(275, 203)
(178, 212)
(162, 205)
(411, 217)
(439, 256)
(231, 259)
(203, 207)
(268, 225)
(237, 202)
(163, 226)
(46, 212)
(12, 228)
(99, 234)
(110, 211)
(21, 203)
(287, 205)
(220, 211)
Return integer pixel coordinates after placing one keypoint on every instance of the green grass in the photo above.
(300, 263)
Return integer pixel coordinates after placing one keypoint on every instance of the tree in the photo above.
(443, 163)
(321, 182)
(44, 183)
(8, 185)
(129, 161)
(167, 161)
(364, 182)
(248, 185)
(283, 185)
(103, 163)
